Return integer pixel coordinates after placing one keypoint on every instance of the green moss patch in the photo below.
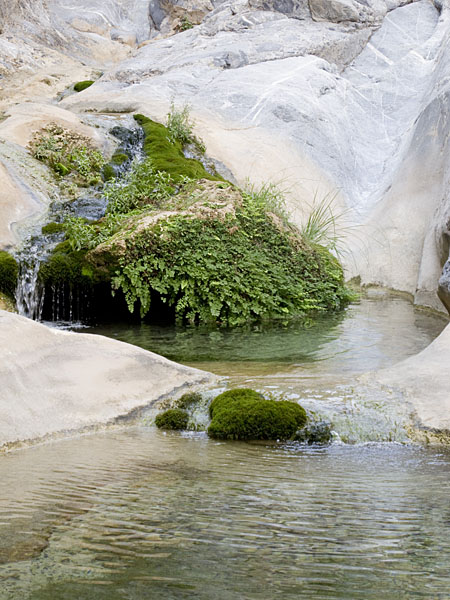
(9, 271)
(189, 400)
(119, 158)
(174, 418)
(82, 85)
(167, 154)
(52, 228)
(243, 414)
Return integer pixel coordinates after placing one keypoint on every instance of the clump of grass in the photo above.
(180, 127)
(323, 226)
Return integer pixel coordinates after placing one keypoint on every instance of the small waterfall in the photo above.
(30, 292)
(67, 304)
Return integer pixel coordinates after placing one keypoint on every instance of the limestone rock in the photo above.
(56, 382)
(423, 381)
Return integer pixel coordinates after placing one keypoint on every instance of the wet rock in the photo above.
(314, 433)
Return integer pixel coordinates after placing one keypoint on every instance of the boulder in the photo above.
(55, 382)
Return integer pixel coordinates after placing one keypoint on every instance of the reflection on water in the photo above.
(372, 334)
(137, 514)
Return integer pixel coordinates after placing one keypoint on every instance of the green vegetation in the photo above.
(68, 154)
(243, 414)
(174, 418)
(185, 24)
(82, 85)
(216, 254)
(188, 400)
(230, 269)
(119, 158)
(51, 228)
(9, 271)
(322, 224)
(69, 266)
(166, 151)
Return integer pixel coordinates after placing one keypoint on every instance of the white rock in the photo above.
(57, 382)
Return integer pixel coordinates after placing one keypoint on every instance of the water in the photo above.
(318, 365)
(134, 513)
(137, 514)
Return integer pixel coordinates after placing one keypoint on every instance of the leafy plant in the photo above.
(229, 270)
(185, 23)
(140, 186)
(68, 154)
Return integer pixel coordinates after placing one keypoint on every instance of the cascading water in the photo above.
(67, 303)
(30, 292)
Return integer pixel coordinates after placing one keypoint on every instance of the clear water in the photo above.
(318, 365)
(137, 514)
(133, 513)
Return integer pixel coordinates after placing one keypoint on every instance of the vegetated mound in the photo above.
(215, 253)
(172, 419)
(243, 414)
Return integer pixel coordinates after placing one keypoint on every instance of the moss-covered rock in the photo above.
(119, 158)
(314, 433)
(68, 266)
(244, 414)
(189, 400)
(108, 172)
(174, 418)
(167, 155)
(82, 85)
(9, 271)
(52, 228)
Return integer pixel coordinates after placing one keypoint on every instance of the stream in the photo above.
(134, 513)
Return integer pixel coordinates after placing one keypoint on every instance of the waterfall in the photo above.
(30, 292)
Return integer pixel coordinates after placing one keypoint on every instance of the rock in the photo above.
(422, 380)
(123, 37)
(444, 286)
(59, 382)
(334, 10)
(243, 414)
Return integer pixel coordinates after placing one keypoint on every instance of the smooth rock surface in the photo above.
(423, 380)
(56, 382)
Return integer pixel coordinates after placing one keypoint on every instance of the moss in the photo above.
(174, 418)
(51, 228)
(108, 172)
(189, 399)
(82, 85)
(168, 155)
(244, 415)
(9, 271)
(119, 158)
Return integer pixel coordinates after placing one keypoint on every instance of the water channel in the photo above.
(134, 513)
